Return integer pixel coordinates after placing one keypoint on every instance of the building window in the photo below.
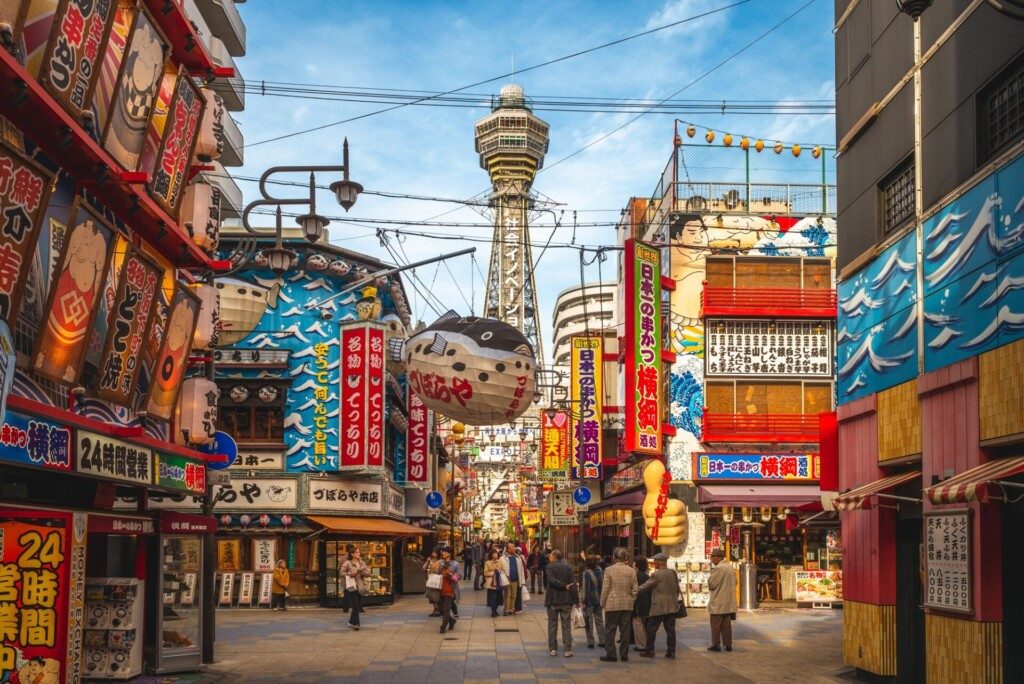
(1001, 111)
(253, 423)
(896, 196)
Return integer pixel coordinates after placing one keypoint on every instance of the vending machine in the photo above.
(113, 627)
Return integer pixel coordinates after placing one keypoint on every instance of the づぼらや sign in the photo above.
(346, 495)
(111, 458)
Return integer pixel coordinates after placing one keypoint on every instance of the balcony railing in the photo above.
(768, 302)
(774, 428)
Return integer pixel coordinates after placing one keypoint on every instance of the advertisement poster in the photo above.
(354, 407)
(417, 433)
(155, 337)
(78, 39)
(38, 556)
(173, 355)
(644, 386)
(587, 398)
(554, 465)
(35, 442)
(73, 298)
(130, 319)
(819, 586)
(24, 192)
(264, 554)
(138, 78)
(227, 585)
(110, 63)
(154, 129)
(245, 589)
(179, 138)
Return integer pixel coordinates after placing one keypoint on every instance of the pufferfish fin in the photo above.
(439, 344)
(447, 316)
(272, 294)
(396, 349)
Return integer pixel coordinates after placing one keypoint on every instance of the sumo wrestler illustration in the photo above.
(37, 670)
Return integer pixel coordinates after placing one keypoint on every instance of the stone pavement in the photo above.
(400, 643)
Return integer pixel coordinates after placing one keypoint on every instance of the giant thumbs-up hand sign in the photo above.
(664, 518)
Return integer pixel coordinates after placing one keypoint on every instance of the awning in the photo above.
(975, 484)
(383, 527)
(632, 502)
(754, 495)
(860, 497)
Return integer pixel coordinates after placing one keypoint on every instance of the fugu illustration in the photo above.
(479, 371)
(242, 304)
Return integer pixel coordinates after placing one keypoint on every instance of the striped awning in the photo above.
(861, 496)
(975, 484)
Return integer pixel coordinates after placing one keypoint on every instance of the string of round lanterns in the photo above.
(727, 140)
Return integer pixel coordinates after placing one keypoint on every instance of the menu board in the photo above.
(819, 586)
(767, 347)
(947, 544)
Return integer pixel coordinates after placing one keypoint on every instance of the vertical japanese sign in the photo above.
(174, 351)
(354, 404)
(130, 321)
(417, 439)
(76, 283)
(24, 190)
(554, 463)
(587, 399)
(948, 560)
(110, 64)
(375, 396)
(264, 554)
(78, 38)
(643, 397)
(179, 138)
(320, 394)
(42, 559)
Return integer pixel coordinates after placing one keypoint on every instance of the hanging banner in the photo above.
(139, 76)
(42, 558)
(264, 554)
(587, 399)
(36, 442)
(643, 397)
(24, 193)
(173, 355)
(417, 439)
(154, 129)
(554, 465)
(321, 393)
(155, 338)
(110, 64)
(73, 298)
(131, 317)
(179, 138)
(354, 404)
(78, 39)
(375, 397)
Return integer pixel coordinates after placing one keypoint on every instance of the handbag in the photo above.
(433, 581)
(526, 593)
(350, 583)
(578, 621)
(681, 611)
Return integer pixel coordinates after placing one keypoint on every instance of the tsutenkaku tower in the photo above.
(512, 142)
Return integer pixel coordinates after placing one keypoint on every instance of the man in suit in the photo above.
(722, 604)
(560, 599)
(618, 595)
(664, 588)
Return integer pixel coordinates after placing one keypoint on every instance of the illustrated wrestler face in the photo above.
(177, 328)
(40, 671)
(85, 253)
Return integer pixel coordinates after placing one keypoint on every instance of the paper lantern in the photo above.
(727, 514)
(200, 214)
(778, 148)
(710, 136)
(816, 152)
(744, 143)
(766, 513)
(210, 138)
(691, 131)
(241, 306)
(264, 520)
(796, 150)
(478, 371)
(197, 412)
(208, 323)
(727, 140)
(225, 520)
(245, 519)
(286, 520)
(759, 145)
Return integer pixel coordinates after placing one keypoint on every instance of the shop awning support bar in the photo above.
(816, 515)
(310, 536)
(901, 498)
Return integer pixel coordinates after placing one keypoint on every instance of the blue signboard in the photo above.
(581, 495)
(758, 467)
(35, 442)
(434, 500)
(225, 445)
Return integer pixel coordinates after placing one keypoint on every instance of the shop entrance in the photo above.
(1013, 591)
(910, 660)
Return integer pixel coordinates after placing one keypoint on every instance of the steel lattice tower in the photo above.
(512, 141)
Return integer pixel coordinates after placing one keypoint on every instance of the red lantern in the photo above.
(225, 520)
(264, 520)
(286, 520)
(245, 519)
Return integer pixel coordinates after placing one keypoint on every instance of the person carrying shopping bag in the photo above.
(432, 566)
(354, 571)
(494, 582)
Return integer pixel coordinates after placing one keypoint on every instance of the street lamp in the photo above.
(913, 8)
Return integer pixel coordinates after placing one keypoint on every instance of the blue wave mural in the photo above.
(877, 338)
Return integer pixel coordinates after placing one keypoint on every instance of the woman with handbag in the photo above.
(432, 567)
(451, 573)
(494, 581)
(354, 570)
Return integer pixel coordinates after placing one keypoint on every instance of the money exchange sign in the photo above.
(643, 398)
(587, 404)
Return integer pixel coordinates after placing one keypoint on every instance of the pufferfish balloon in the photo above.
(479, 371)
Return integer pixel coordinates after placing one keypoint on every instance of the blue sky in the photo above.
(439, 46)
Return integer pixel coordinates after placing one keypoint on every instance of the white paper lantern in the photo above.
(241, 306)
(479, 371)
(208, 324)
(200, 214)
(197, 412)
(210, 139)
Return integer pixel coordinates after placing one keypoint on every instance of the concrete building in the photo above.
(930, 345)
(593, 306)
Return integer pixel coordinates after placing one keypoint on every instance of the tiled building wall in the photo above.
(1001, 391)
(869, 637)
(899, 422)
(961, 650)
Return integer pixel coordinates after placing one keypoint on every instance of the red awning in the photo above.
(790, 496)
(975, 484)
(632, 501)
(860, 497)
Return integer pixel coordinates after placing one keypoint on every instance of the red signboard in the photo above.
(78, 38)
(186, 523)
(417, 439)
(644, 387)
(354, 404)
(120, 524)
(179, 137)
(375, 396)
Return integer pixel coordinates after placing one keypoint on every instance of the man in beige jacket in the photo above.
(618, 596)
(722, 605)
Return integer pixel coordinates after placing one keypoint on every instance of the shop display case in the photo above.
(378, 557)
(112, 637)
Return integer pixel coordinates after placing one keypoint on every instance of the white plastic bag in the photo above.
(578, 621)
(433, 581)
(526, 594)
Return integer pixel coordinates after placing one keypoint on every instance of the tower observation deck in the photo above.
(512, 142)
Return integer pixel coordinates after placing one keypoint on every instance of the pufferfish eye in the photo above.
(486, 336)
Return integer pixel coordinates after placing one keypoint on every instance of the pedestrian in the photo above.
(593, 617)
(643, 605)
(279, 589)
(494, 581)
(514, 570)
(521, 554)
(432, 566)
(545, 554)
(477, 554)
(663, 591)
(561, 597)
(618, 596)
(467, 560)
(533, 565)
(449, 592)
(722, 603)
(354, 570)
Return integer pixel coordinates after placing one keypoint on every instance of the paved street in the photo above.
(401, 644)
